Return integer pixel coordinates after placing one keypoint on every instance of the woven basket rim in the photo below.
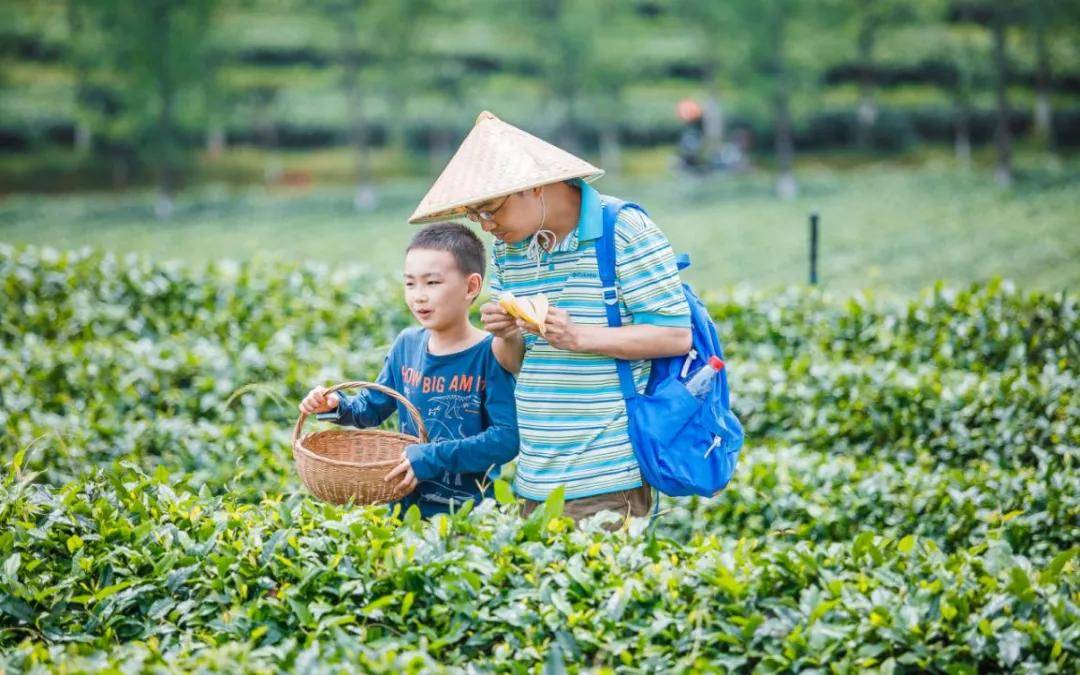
(418, 419)
(298, 446)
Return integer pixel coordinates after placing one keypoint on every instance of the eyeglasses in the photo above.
(488, 216)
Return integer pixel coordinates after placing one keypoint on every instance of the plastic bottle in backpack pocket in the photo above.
(702, 381)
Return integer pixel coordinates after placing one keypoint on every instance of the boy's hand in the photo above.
(318, 401)
(498, 322)
(408, 478)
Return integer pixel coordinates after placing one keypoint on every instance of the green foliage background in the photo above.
(906, 500)
(112, 93)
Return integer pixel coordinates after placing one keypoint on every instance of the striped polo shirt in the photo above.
(571, 414)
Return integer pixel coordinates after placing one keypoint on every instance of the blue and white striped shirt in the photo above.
(571, 414)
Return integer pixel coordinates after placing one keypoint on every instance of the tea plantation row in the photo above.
(906, 502)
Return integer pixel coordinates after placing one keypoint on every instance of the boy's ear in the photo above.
(473, 285)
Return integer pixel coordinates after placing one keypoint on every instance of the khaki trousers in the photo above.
(636, 503)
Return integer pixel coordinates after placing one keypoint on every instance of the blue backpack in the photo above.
(684, 445)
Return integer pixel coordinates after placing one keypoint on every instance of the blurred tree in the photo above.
(608, 74)
(349, 18)
(390, 34)
(583, 65)
(564, 34)
(218, 100)
(1002, 13)
(102, 124)
(1045, 19)
(446, 83)
(777, 17)
(80, 55)
(870, 19)
(449, 78)
(780, 46)
(961, 50)
(378, 39)
(1040, 15)
(156, 56)
(997, 16)
(965, 56)
(711, 22)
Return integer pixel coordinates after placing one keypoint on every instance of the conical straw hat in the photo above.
(497, 159)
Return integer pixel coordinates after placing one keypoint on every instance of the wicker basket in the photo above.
(348, 465)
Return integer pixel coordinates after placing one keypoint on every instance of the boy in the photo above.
(447, 369)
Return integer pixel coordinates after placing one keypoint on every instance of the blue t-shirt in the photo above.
(467, 402)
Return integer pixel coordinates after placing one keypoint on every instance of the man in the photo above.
(534, 198)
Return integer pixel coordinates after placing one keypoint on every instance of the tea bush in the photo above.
(906, 502)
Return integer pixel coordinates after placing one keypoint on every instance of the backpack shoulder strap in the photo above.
(605, 262)
(605, 258)
(605, 248)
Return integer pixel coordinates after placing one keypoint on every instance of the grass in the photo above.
(887, 226)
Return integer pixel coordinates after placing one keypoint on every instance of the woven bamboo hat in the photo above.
(497, 159)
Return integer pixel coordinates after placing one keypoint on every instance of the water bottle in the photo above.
(702, 381)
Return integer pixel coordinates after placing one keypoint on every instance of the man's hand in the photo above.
(408, 479)
(560, 331)
(318, 401)
(498, 322)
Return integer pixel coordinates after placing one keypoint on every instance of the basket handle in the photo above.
(413, 412)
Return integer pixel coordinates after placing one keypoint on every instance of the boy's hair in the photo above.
(458, 240)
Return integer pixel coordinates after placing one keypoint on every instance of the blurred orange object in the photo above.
(295, 178)
(688, 110)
